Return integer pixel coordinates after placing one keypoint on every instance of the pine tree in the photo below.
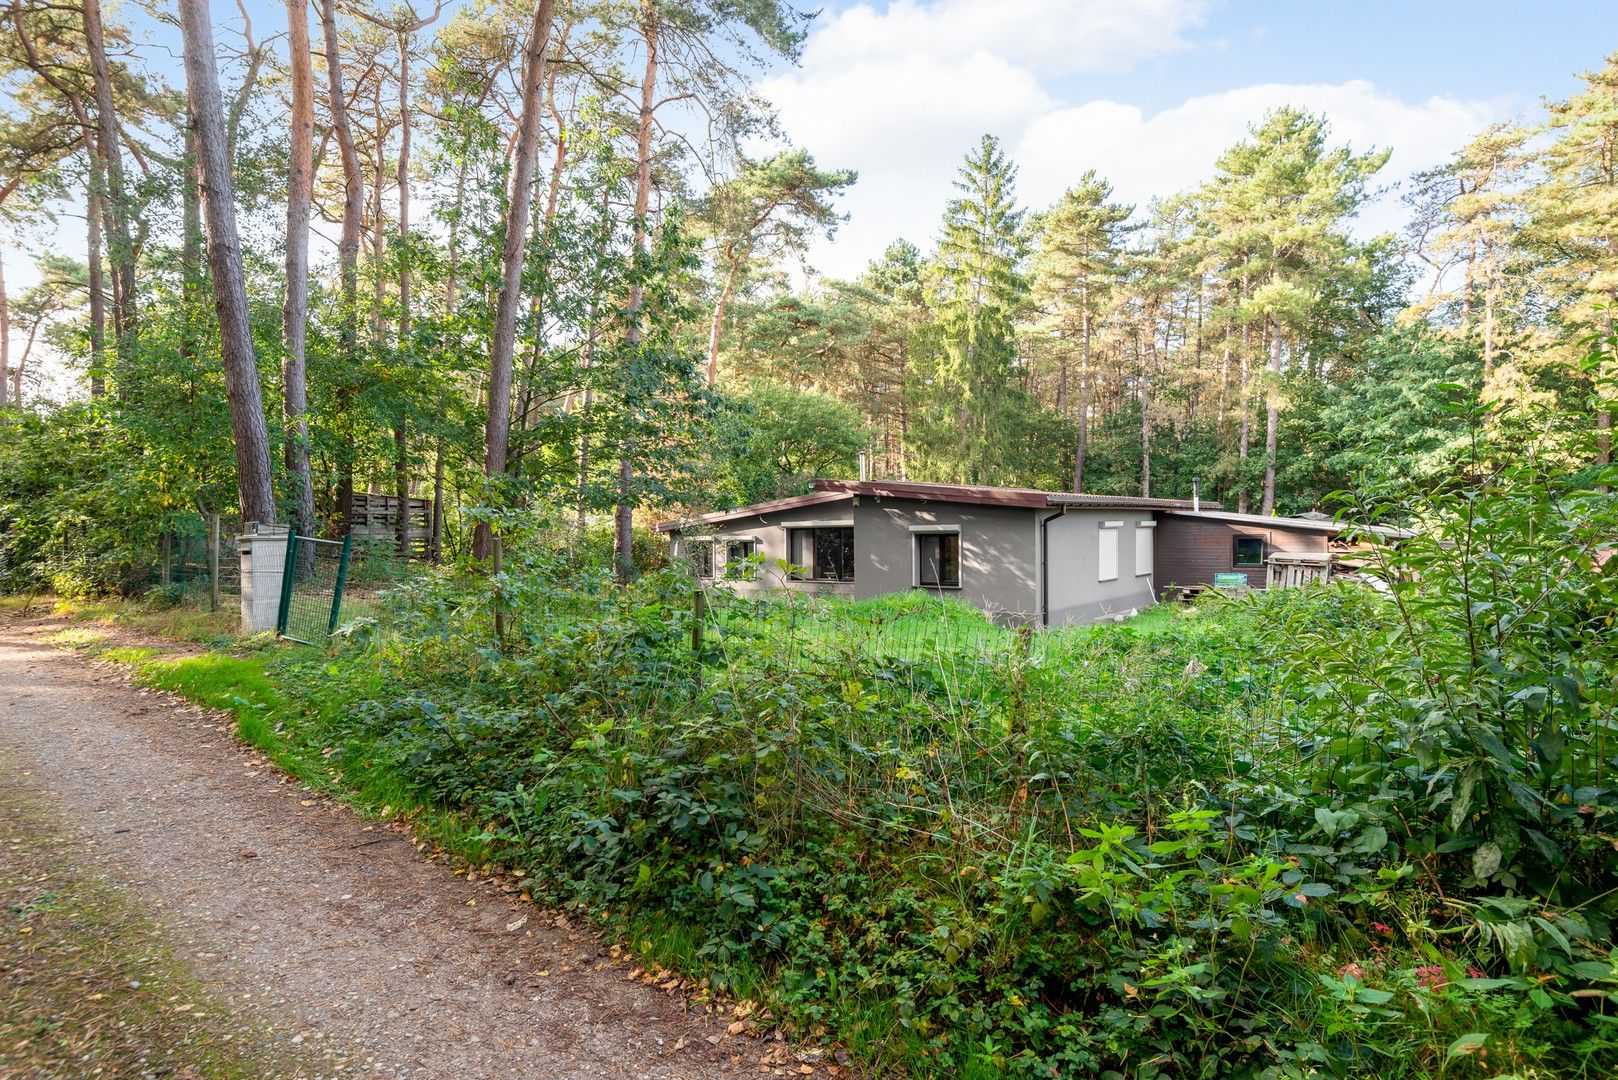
(979, 292)
(1280, 201)
(1575, 212)
(1078, 262)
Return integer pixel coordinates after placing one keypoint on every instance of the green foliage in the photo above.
(1316, 832)
(782, 438)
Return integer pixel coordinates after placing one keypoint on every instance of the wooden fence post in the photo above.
(213, 562)
(499, 607)
(699, 617)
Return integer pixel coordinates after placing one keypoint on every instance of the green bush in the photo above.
(1317, 832)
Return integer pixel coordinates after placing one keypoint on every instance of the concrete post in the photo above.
(263, 551)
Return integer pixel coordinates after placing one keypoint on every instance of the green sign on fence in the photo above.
(1230, 581)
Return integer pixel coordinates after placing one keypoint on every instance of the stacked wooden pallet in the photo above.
(374, 519)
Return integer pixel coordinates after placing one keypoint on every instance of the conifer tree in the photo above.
(1575, 211)
(980, 291)
(1081, 241)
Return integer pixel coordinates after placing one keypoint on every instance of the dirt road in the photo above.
(321, 931)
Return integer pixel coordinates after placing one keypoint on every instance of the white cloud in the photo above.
(1151, 156)
(1049, 37)
(902, 93)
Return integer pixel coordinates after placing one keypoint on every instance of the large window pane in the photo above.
(826, 554)
(938, 560)
(1249, 551)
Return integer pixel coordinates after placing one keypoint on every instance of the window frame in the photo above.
(916, 534)
(1236, 550)
(813, 567)
(706, 543)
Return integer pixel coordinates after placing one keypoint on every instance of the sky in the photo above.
(1146, 92)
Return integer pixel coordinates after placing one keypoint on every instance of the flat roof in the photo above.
(832, 491)
(1028, 498)
(719, 517)
(1122, 502)
(1298, 524)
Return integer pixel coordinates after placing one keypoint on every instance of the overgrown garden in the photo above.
(1330, 831)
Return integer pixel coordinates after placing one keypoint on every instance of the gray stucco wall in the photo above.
(1073, 556)
(999, 560)
(770, 530)
(1001, 554)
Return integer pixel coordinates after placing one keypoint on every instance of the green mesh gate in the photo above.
(312, 584)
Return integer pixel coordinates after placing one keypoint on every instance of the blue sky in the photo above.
(1147, 92)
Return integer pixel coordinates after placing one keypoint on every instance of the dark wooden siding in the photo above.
(1191, 552)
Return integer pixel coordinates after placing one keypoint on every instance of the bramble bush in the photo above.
(1329, 831)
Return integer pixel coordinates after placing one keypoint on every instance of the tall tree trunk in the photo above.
(1245, 434)
(1083, 444)
(5, 337)
(252, 437)
(717, 322)
(401, 433)
(624, 513)
(348, 243)
(295, 308)
(96, 275)
(1488, 321)
(191, 242)
(436, 548)
(1604, 415)
(121, 249)
(503, 347)
(1272, 419)
(1224, 380)
(1146, 418)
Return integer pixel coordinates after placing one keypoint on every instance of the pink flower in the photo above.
(1351, 971)
(1382, 928)
(1431, 976)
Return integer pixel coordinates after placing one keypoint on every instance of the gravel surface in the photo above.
(318, 928)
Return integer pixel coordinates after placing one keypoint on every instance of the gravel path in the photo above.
(330, 932)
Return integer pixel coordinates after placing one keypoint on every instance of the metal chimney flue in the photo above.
(865, 466)
(1196, 494)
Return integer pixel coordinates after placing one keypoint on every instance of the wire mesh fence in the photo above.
(312, 588)
(328, 584)
(194, 560)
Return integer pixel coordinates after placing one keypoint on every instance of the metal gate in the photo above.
(312, 584)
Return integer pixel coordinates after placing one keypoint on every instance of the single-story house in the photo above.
(1022, 555)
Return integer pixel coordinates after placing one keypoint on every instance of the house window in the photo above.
(1143, 547)
(823, 553)
(1107, 570)
(938, 560)
(1249, 551)
(737, 554)
(700, 553)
